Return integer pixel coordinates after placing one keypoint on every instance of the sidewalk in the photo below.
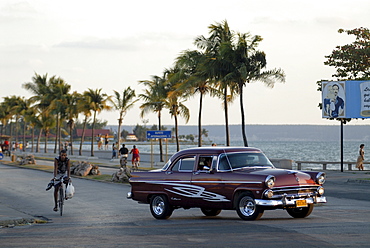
(104, 158)
(10, 217)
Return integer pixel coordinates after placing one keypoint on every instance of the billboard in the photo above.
(346, 99)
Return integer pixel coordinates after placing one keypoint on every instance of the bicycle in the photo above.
(61, 193)
(123, 160)
(136, 164)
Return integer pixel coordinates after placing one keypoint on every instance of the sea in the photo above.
(317, 151)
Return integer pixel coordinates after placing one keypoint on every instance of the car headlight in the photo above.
(320, 178)
(269, 193)
(320, 191)
(270, 181)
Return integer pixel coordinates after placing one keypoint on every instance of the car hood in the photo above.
(283, 178)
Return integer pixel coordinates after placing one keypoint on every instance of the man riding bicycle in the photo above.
(124, 155)
(62, 167)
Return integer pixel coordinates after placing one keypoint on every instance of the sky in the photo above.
(113, 44)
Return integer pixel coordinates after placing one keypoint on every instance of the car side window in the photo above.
(205, 163)
(184, 164)
(224, 165)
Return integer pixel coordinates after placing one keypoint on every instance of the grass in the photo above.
(103, 177)
(38, 167)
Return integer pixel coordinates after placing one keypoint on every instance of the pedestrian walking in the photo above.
(361, 158)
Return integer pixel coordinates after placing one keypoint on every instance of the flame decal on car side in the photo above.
(193, 191)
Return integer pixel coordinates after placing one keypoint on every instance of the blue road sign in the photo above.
(158, 134)
(1, 156)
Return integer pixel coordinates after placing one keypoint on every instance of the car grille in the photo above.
(294, 192)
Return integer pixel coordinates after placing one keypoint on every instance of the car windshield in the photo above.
(241, 160)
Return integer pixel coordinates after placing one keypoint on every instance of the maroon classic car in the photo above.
(229, 178)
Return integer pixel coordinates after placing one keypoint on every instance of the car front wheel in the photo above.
(300, 212)
(247, 208)
(210, 211)
(160, 207)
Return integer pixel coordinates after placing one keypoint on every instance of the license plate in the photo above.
(301, 203)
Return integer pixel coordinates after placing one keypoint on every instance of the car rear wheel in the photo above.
(210, 211)
(300, 212)
(247, 208)
(160, 207)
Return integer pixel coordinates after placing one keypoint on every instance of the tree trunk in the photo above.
(71, 137)
(39, 140)
(119, 132)
(200, 120)
(83, 136)
(16, 130)
(243, 117)
(56, 136)
(92, 135)
(11, 135)
(177, 134)
(160, 140)
(24, 136)
(46, 141)
(33, 137)
(226, 118)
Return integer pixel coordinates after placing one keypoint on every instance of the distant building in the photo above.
(131, 137)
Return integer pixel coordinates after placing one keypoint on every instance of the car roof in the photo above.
(216, 150)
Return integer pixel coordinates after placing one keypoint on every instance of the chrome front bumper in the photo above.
(292, 202)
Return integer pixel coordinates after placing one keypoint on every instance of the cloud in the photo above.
(134, 43)
(18, 10)
(95, 43)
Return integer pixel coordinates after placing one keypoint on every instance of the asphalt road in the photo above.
(99, 215)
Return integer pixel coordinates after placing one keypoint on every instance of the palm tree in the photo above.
(40, 87)
(23, 108)
(195, 80)
(58, 95)
(175, 102)
(72, 112)
(123, 103)
(154, 100)
(214, 65)
(17, 106)
(48, 122)
(30, 117)
(98, 102)
(83, 106)
(9, 106)
(245, 65)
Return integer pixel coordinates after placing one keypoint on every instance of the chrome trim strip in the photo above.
(273, 203)
(195, 181)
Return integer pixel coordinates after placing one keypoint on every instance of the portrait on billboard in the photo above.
(333, 103)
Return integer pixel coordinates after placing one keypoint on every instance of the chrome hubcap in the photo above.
(158, 206)
(247, 207)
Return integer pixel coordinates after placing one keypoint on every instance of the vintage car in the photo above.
(226, 178)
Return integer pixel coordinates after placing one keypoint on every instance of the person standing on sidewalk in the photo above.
(361, 158)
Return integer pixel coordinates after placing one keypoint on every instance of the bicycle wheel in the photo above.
(61, 199)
